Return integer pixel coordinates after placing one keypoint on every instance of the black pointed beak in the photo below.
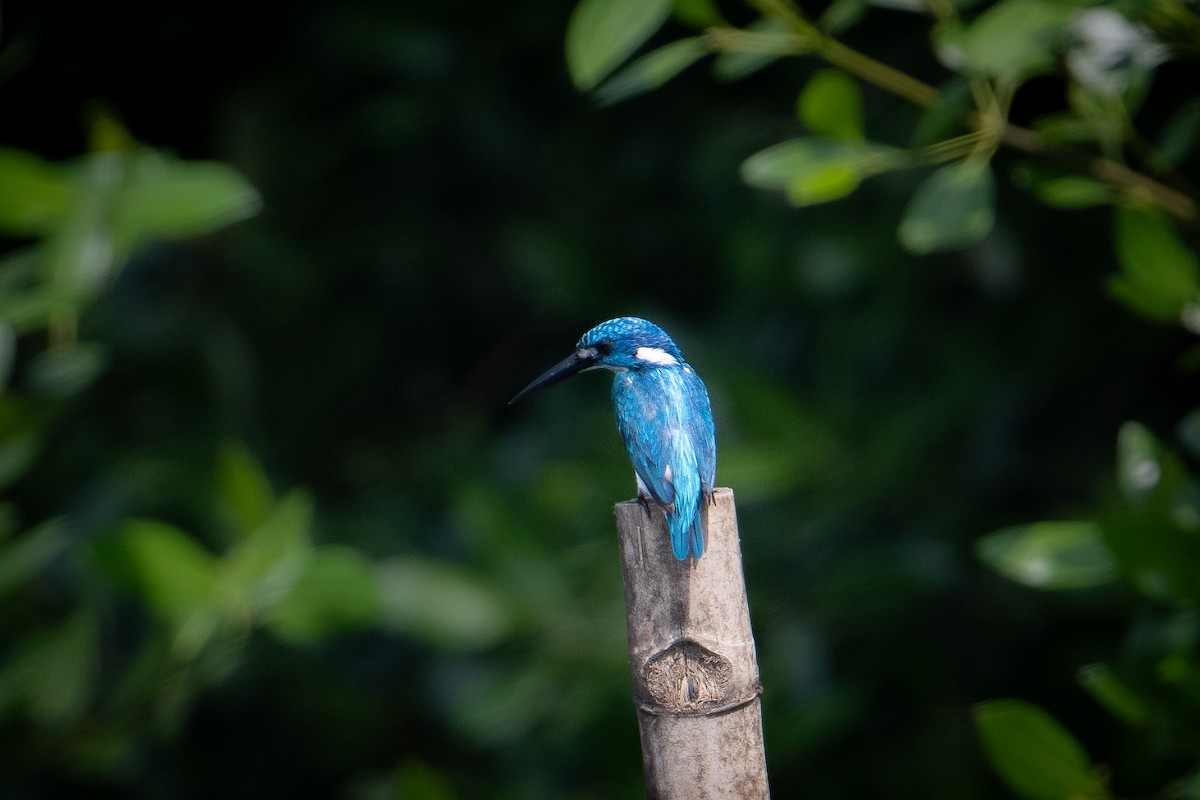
(576, 362)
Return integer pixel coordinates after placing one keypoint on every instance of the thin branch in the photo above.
(736, 40)
(991, 122)
(1130, 181)
(876, 72)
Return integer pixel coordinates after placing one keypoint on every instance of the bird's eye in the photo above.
(604, 347)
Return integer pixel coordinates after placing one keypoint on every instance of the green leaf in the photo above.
(171, 571)
(1063, 190)
(266, 564)
(1033, 754)
(1074, 192)
(1143, 298)
(440, 604)
(952, 208)
(243, 491)
(1014, 39)
(697, 13)
(829, 181)
(776, 167)
(1112, 693)
(651, 70)
(65, 371)
(831, 105)
(35, 195)
(1050, 555)
(947, 41)
(810, 170)
(603, 33)
(1159, 276)
(1160, 557)
(948, 113)
(841, 15)
(1153, 478)
(1139, 463)
(336, 592)
(81, 255)
(166, 198)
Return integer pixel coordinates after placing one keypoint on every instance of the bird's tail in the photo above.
(687, 533)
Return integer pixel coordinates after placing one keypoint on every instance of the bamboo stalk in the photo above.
(695, 670)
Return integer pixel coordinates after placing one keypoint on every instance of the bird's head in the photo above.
(625, 343)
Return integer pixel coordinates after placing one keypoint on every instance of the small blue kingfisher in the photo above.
(664, 416)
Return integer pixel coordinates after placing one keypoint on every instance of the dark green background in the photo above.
(443, 215)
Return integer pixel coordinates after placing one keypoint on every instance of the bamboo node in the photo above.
(688, 678)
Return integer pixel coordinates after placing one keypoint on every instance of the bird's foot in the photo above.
(644, 502)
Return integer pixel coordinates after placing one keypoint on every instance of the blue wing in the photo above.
(664, 418)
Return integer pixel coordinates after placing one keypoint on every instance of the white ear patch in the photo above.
(655, 355)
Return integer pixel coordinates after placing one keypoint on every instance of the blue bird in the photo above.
(663, 414)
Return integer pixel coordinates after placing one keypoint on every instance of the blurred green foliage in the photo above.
(266, 525)
(1148, 538)
(1152, 539)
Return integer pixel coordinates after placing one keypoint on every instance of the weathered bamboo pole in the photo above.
(695, 671)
